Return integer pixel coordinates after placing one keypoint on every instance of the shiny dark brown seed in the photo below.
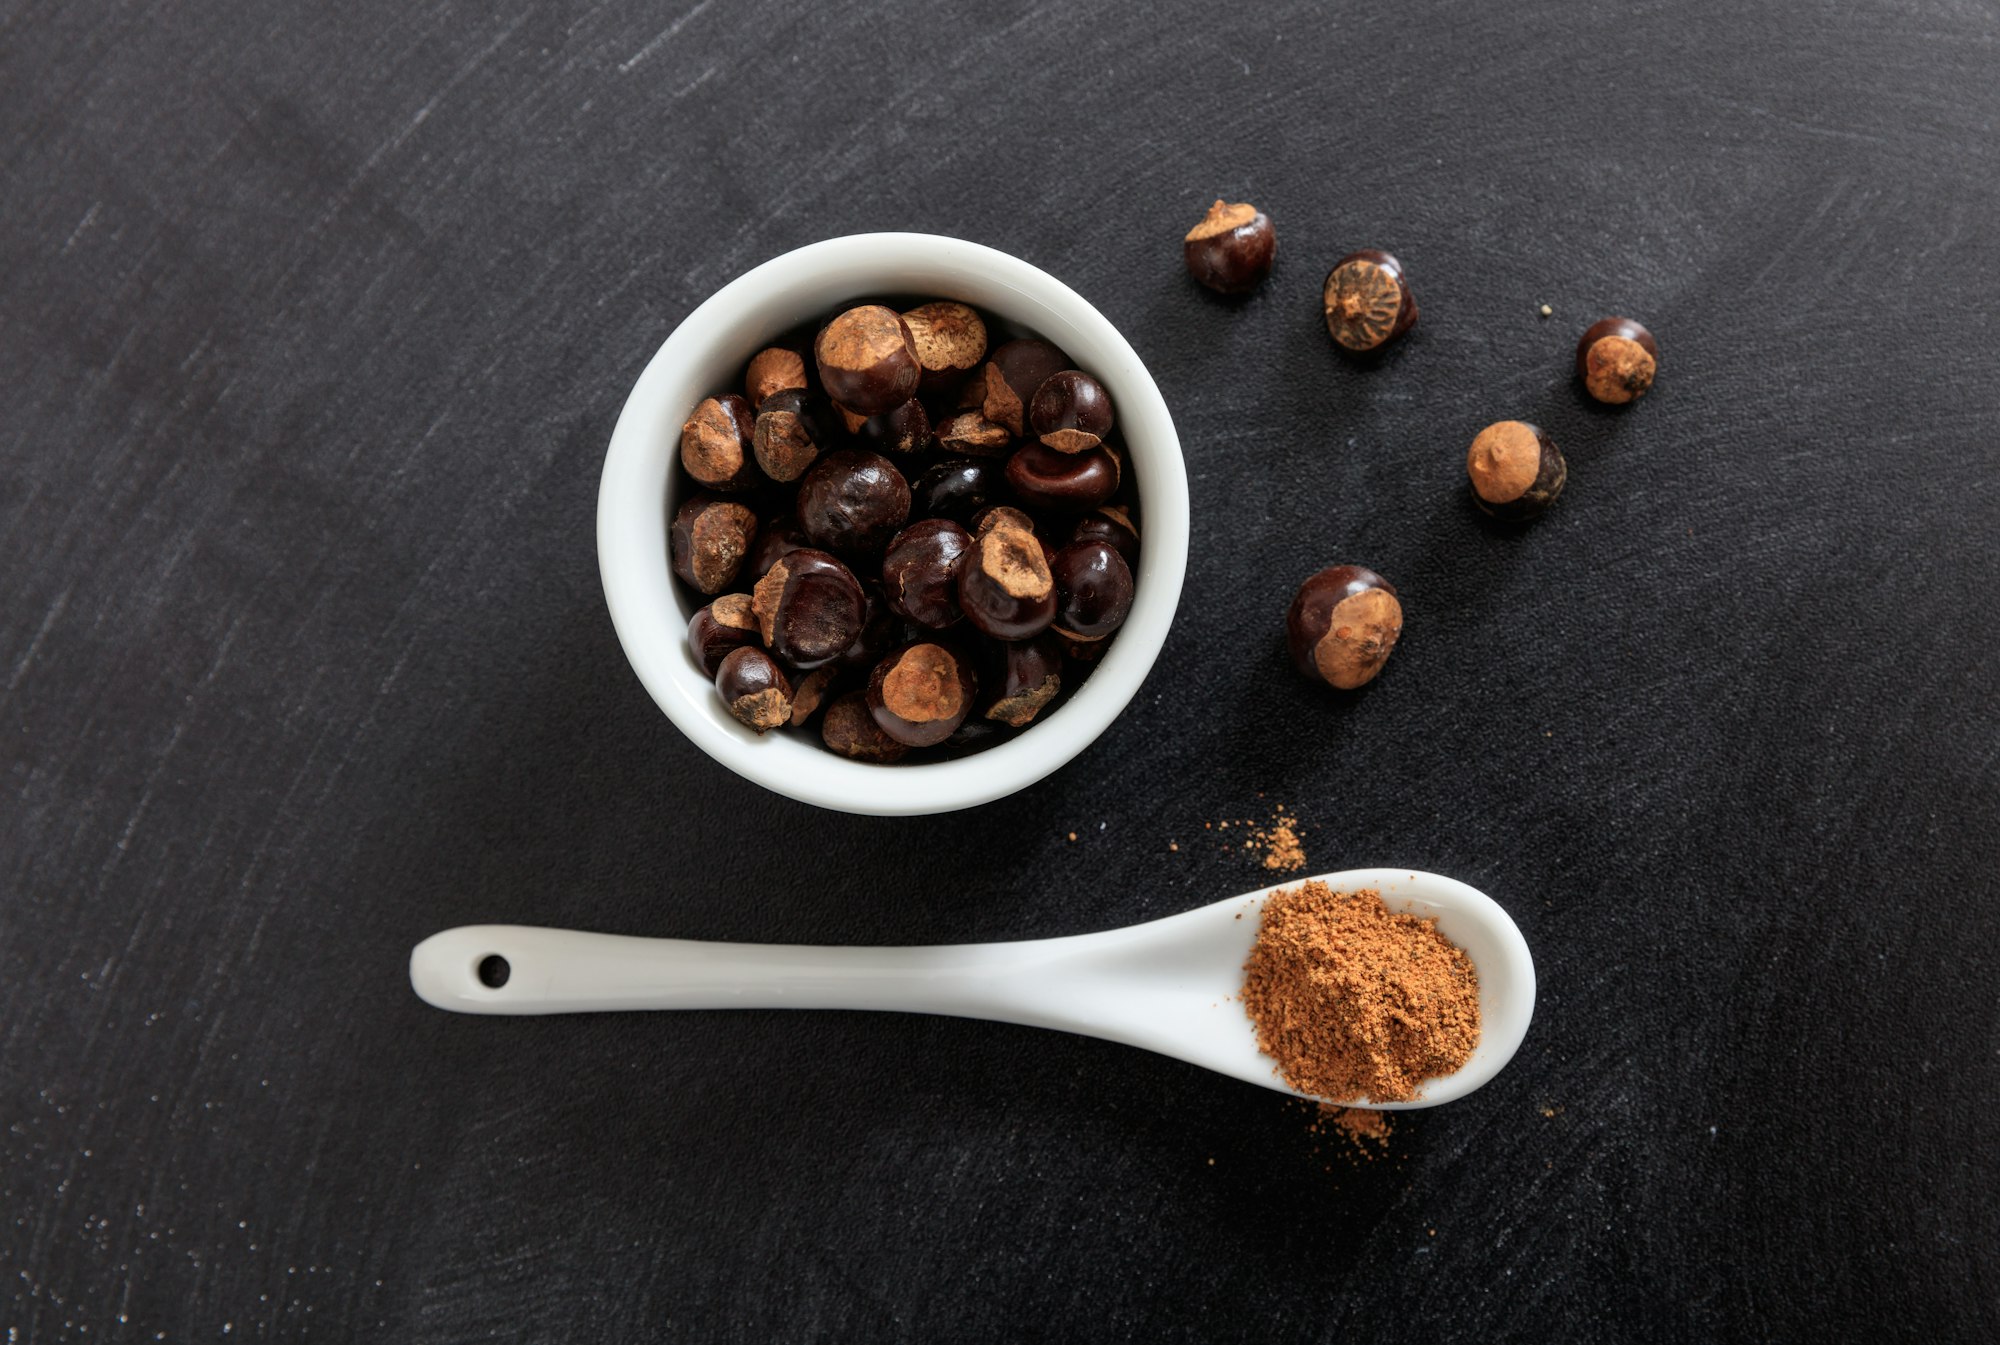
(1342, 626)
(853, 501)
(773, 370)
(723, 625)
(809, 607)
(919, 578)
(956, 489)
(809, 693)
(787, 434)
(1113, 524)
(970, 432)
(1516, 470)
(867, 362)
(1071, 412)
(975, 735)
(849, 730)
(921, 693)
(754, 688)
(716, 444)
(900, 429)
(1023, 677)
(994, 515)
(1081, 650)
(1012, 375)
(709, 540)
(1004, 585)
(775, 537)
(1093, 590)
(1617, 359)
(1232, 249)
(950, 341)
(881, 630)
(1045, 479)
(1367, 301)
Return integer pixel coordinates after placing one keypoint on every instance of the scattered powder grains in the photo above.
(1282, 851)
(1275, 844)
(1368, 1131)
(1354, 1001)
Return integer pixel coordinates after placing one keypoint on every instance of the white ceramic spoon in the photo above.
(1167, 986)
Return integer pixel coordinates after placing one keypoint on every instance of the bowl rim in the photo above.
(638, 481)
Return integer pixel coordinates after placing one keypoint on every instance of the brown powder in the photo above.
(1280, 843)
(1354, 1001)
(1276, 845)
(1283, 851)
(1366, 1131)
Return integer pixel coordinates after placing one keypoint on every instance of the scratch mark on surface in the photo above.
(699, 80)
(181, 551)
(145, 797)
(221, 653)
(389, 682)
(208, 1037)
(1794, 123)
(665, 36)
(81, 225)
(256, 935)
(1808, 230)
(35, 645)
(125, 345)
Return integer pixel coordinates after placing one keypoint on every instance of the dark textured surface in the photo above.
(313, 325)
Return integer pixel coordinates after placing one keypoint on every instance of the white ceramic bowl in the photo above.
(706, 354)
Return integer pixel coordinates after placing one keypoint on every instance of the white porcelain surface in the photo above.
(1167, 986)
(706, 354)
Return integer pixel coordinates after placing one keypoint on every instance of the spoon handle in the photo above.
(568, 971)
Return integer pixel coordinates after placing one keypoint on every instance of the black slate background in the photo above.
(314, 322)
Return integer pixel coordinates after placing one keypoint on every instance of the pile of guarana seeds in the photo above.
(922, 541)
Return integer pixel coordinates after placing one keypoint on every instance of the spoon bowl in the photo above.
(1169, 986)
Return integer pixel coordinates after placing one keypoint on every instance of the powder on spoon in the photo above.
(1354, 1001)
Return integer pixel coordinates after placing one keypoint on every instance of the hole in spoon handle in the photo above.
(480, 969)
